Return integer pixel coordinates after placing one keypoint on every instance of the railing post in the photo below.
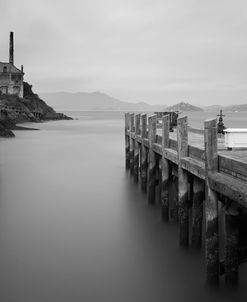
(136, 148)
(197, 212)
(127, 142)
(143, 153)
(132, 116)
(183, 210)
(165, 169)
(211, 205)
(152, 124)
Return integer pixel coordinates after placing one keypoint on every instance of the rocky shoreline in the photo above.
(30, 108)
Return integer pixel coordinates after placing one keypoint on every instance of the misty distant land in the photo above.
(98, 101)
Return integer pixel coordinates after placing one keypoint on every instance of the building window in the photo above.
(4, 90)
(16, 90)
(4, 69)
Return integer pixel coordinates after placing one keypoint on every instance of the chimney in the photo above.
(11, 48)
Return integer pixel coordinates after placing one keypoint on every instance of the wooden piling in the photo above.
(159, 177)
(165, 169)
(151, 180)
(174, 194)
(211, 205)
(144, 162)
(231, 251)
(136, 148)
(127, 142)
(197, 212)
(182, 139)
(192, 175)
(132, 116)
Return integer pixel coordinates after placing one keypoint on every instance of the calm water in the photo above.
(74, 227)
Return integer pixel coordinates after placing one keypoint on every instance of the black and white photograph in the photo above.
(123, 151)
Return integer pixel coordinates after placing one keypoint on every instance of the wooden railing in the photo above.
(206, 180)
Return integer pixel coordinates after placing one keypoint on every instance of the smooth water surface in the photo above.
(74, 226)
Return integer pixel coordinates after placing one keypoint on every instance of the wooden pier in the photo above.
(196, 182)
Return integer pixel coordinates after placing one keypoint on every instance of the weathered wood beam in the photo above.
(158, 177)
(171, 155)
(165, 169)
(211, 205)
(173, 194)
(173, 144)
(234, 189)
(136, 148)
(193, 166)
(152, 127)
(159, 139)
(132, 117)
(233, 167)
(196, 153)
(231, 251)
(157, 148)
(127, 142)
(197, 212)
(182, 139)
(146, 142)
(144, 162)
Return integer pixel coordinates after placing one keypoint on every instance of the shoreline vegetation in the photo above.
(30, 108)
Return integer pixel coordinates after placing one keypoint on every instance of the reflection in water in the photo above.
(74, 227)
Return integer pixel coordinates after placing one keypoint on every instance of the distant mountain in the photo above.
(231, 108)
(93, 101)
(183, 107)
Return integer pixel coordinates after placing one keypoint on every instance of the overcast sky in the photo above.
(158, 51)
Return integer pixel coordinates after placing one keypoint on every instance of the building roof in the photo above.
(10, 68)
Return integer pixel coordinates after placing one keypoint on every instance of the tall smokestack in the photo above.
(11, 48)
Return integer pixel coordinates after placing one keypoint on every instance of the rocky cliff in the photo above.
(30, 108)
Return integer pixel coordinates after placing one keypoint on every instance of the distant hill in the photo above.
(183, 107)
(231, 108)
(93, 101)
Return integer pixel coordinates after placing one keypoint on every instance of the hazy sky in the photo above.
(158, 51)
